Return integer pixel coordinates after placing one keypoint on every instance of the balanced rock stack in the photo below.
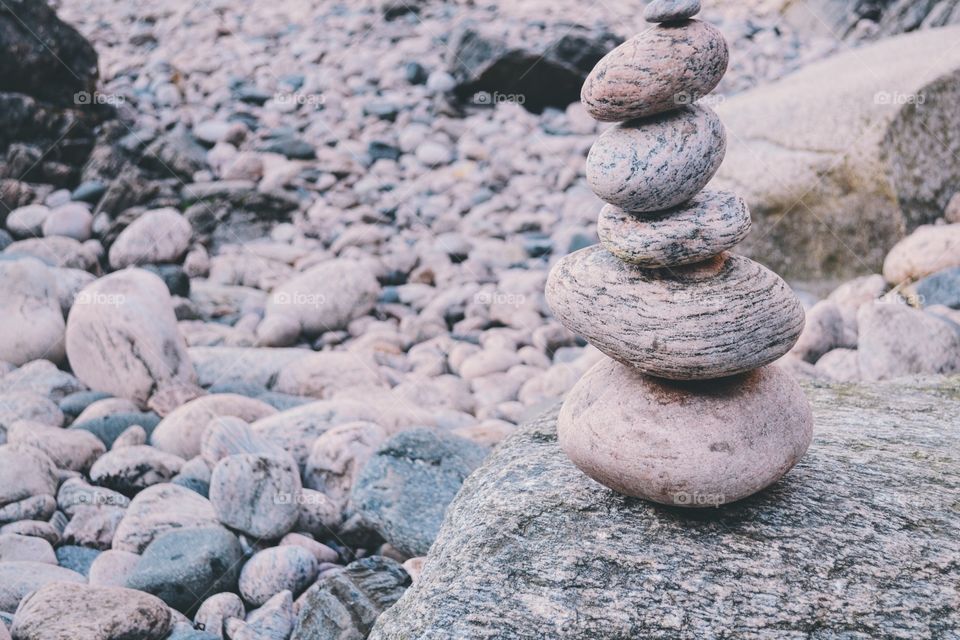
(688, 411)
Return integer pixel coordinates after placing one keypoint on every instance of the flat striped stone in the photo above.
(709, 320)
(707, 225)
(656, 163)
(663, 68)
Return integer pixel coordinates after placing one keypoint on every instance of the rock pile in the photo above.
(686, 411)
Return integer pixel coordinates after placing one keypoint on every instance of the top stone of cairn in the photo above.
(671, 10)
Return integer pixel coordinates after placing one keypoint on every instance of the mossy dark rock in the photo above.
(859, 540)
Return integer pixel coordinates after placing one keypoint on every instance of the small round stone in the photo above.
(707, 225)
(656, 163)
(671, 10)
(709, 320)
(699, 444)
(257, 494)
(661, 69)
(277, 569)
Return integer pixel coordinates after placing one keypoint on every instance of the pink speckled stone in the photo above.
(708, 320)
(707, 225)
(697, 444)
(656, 163)
(661, 69)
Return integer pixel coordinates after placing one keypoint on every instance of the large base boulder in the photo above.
(838, 160)
(859, 539)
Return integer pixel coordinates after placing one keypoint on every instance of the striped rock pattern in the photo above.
(663, 68)
(709, 320)
(659, 162)
(707, 225)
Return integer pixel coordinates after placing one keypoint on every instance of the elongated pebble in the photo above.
(671, 10)
(707, 225)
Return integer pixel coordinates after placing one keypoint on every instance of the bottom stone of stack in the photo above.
(688, 444)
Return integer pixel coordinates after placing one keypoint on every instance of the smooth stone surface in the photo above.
(71, 220)
(26, 405)
(661, 69)
(72, 449)
(93, 527)
(323, 298)
(658, 162)
(943, 287)
(181, 432)
(710, 320)
(30, 313)
(534, 549)
(897, 341)
(83, 612)
(273, 621)
(112, 568)
(131, 469)
(25, 472)
(823, 331)
(284, 568)
(108, 428)
(707, 225)
(671, 10)
(404, 489)
(182, 566)
(929, 249)
(77, 558)
(15, 547)
(685, 444)
(322, 375)
(257, 494)
(122, 337)
(345, 604)
(216, 609)
(19, 579)
(338, 456)
(161, 235)
(228, 436)
(840, 365)
(158, 509)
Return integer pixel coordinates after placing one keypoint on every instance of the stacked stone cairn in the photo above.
(688, 410)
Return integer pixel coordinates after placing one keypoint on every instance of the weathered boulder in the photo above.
(535, 65)
(531, 548)
(861, 154)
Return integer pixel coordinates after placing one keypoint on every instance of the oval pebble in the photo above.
(661, 69)
(671, 10)
(659, 162)
(709, 320)
(707, 225)
(277, 569)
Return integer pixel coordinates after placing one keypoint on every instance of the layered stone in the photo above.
(689, 444)
(713, 319)
(707, 225)
(663, 68)
(655, 163)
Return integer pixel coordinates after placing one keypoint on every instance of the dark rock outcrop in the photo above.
(859, 540)
(539, 67)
